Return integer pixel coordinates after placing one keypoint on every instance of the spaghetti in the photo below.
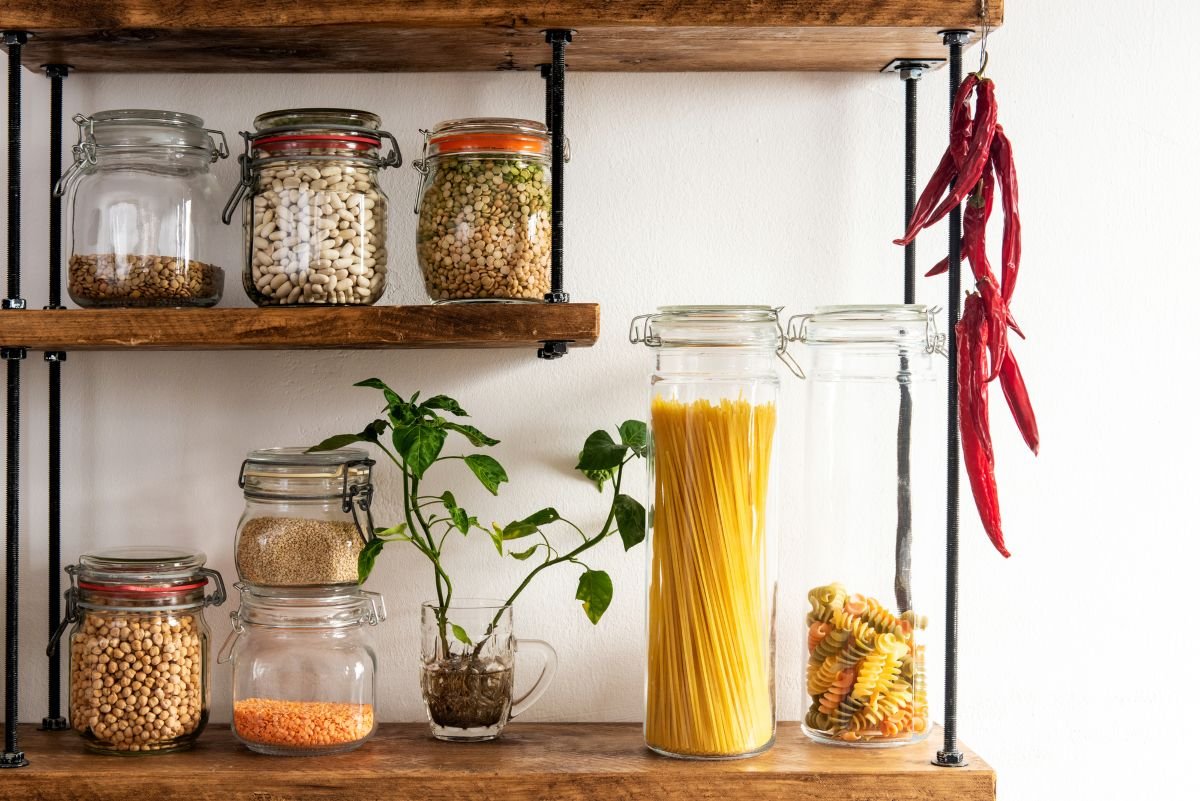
(710, 689)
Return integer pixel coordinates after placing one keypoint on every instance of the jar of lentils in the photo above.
(315, 224)
(139, 648)
(483, 225)
(142, 206)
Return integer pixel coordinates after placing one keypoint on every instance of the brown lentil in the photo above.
(294, 551)
(484, 229)
(107, 279)
(137, 680)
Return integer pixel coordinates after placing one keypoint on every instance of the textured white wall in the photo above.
(757, 188)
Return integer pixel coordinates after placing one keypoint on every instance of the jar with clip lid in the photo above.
(138, 648)
(315, 218)
(483, 225)
(870, 512)
(142, 210)
(713, 533)
(304, 670)
(307, 517)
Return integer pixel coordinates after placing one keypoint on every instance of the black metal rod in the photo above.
(911, 77)
(555, 77)
(12, 756)
(950, 756)
(54, 720)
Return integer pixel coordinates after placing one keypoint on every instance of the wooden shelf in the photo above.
(564, 762)
(473, 325)
(484, 35)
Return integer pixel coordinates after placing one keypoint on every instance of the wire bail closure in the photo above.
(641, 332)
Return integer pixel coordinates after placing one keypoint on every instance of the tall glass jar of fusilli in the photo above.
(869, 512)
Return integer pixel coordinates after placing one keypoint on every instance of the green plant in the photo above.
(417, 431)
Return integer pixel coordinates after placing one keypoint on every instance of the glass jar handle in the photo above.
(392, 158)
(543, 681)
(71, 596)
(84, 152)
(226, 651)
(220, 151)
(239, 194)
(217, 596)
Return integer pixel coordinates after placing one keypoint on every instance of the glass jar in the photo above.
(483, 225)
(139, 648)
(301, 526)
(315, 224)
(142, 209)
(871, 506)
(303, 671)
(712, 540)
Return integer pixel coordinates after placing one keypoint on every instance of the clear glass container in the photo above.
(142, 207)
(307, 517)
(870, 511)
(304, 671)
(138, 661)
(467, 687)
(483, 224)
(315, 220)
(713, 533)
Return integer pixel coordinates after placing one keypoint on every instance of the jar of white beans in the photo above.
(315, 220)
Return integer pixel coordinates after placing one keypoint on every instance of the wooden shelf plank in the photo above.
(474, 325)
(564, 761)
(484, 35)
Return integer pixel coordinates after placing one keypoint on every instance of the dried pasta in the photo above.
(866, 675)
(709, 687)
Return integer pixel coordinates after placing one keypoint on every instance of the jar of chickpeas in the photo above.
(483, 225)
(139, 648)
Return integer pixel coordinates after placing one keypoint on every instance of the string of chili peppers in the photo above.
(978, 158)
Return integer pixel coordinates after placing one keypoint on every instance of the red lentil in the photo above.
(302, 724)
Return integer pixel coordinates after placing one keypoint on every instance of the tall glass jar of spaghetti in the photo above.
(870, 509)
(712, 543)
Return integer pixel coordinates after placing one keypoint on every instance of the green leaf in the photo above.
(369, 434)
(523, 528)
(497, 538)
(396, 532)
(596, 591)
(458, 516)
(367, 557)
(631, 520)
(487, 470)
(460, 634)
(473, 434)
(600, 477)
(445, 403)
(633, 434)
(600, 452)
(419, 446)
(523, 555)
(388, 392)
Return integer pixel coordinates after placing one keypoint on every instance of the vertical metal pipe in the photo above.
(911, 76)
(12, 756)
(555, 113)
(950, 756)
(54, 720)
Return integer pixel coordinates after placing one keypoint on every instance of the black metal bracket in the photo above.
(902, 65)
(950, 756)
(555, 76)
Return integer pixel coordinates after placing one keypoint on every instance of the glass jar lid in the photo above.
(153, 565)
(488, 135)
(308, 610)
(141, 128)
(297, 474)
(709, 327)
(317, 118)
(896, 326)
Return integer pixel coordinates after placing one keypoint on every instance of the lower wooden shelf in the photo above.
(467, 325)
(560, 761)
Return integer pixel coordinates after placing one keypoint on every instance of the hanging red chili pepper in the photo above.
(977, 160)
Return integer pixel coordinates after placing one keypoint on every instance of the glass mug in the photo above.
(467, 663)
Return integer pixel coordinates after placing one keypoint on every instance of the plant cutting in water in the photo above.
(466, 690)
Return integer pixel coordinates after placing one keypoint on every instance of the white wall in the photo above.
(765, 188)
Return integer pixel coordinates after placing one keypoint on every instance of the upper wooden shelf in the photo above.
(472, 325)
(484, 35)
(564, 762)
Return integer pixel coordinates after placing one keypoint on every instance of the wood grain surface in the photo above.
(475, 325)
(479, 35)
(531, 762)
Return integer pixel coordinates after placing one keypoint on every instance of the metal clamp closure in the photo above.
(71, 596)
(239, 194)
(218, 595)
(220, 151)
(365, 492)
(238, 630)
(640, 331)
(378, 610)
(788, 359)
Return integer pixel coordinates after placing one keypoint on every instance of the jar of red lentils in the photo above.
(303, 670)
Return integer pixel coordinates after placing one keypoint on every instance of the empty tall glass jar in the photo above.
(710, 673)
(869, 510)
(143, 209)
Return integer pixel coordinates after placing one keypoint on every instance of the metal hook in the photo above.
(987, 28)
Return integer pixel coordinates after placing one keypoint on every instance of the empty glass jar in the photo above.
(483, 225)
(139, 648)
(870, 512)
(713, 538)
(315, 224)
(304, 671)
(307, 517)
(142, 210)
